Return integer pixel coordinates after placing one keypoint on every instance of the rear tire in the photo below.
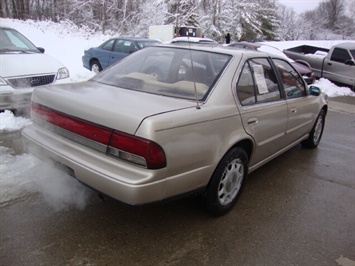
(227, 182)
(95, 66)
(316, 133)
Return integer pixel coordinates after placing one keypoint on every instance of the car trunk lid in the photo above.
(104, 105)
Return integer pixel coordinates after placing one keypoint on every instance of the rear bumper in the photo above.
(119, 180)
(86, 61)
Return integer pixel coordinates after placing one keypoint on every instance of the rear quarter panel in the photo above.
(194, 141)
(102, 55)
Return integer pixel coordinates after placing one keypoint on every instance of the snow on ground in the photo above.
(66, 43)
(8, 122)
(333, 90)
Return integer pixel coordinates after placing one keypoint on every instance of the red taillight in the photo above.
(124, 146)
(77, 126)
(150, 151)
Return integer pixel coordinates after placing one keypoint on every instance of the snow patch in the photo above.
(333, 90)
(13, 170)
(9, 123)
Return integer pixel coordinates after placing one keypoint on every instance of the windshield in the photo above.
(352, 53)
(167, 71)
(12, 40)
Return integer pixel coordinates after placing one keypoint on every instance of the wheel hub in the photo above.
(231, 182)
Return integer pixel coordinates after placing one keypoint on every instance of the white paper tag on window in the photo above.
(260, 79)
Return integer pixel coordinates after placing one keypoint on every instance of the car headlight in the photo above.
(63, 73)
(2, 82)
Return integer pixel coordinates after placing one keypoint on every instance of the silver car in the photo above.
(170, 120)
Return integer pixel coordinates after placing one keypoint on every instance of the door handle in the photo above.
(329, 64)
(252, 121)
(294, 110)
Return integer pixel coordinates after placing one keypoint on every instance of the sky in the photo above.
(300, 6)
(23, 172)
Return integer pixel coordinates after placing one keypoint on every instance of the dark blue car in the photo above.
(113, 50)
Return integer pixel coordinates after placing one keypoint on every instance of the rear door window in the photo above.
(258, 83)
(124, 46)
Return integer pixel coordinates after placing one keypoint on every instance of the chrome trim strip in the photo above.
(72, 136)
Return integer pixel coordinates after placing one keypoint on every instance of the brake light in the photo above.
(80, 127)
(120, 145)
(137, 150)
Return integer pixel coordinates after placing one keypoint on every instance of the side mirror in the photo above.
(350, 62)
(41, 49)
(315, 91)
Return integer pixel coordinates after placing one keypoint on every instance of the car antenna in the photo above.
(193, 74)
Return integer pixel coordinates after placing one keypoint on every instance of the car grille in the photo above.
(33, 81)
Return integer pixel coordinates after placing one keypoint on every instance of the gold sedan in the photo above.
(170, 120)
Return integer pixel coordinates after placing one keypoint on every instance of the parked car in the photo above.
(198, 40)
(113, 50)
(24, 66)
(303, 69)
(336, 64)
(171, 120)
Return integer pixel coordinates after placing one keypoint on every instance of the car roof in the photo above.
(347, 45)
(192, 39)
(135, 39)
(265, 48)
(217, 48)
(252, 45)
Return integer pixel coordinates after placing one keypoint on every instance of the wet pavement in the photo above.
(299, 209)
(343, 104)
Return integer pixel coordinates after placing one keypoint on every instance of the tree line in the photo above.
(243, 19)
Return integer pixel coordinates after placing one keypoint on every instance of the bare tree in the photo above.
(332, 10)
(243, 19)
(288, 29)
(351, 9)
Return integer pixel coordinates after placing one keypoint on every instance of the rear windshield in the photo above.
(167, 71)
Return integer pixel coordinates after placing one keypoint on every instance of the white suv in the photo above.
(24, 66)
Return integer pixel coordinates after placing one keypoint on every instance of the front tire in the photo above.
(316, 133)
(227, 182)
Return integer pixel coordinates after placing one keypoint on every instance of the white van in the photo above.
(23, 66)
